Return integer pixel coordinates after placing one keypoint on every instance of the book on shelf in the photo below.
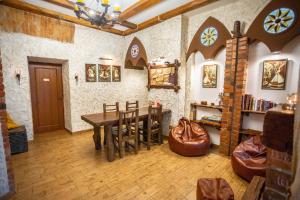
(251, 103)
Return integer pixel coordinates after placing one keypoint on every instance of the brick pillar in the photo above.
(5, 132)
(234, 87)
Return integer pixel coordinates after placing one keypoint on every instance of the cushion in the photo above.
(10, 123)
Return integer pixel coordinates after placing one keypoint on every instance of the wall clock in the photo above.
(135, 50)
(279, 20)
(209, 36)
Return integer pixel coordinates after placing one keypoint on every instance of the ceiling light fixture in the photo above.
(102, 19)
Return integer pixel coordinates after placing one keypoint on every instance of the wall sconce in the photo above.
(76, 77)
(18, 74)
(276, 52)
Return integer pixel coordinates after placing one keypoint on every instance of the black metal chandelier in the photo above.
(102, 19)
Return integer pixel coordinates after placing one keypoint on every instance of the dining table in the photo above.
(108, 120)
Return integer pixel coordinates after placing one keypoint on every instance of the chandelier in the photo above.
(102, 19)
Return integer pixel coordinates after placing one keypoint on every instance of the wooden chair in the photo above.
(110, 108)
(154, 126)
(133, 105)
(125, 132)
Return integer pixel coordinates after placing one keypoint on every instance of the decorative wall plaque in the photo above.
(274, 74)
(210, 73)
(104, 73)
(136, 57)
(277, 24)
(209, 39)
(116, 73)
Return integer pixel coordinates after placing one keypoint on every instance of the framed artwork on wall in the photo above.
(274, 74)
(116, 73)
(104, 73)
(90, 73)
(210, 76)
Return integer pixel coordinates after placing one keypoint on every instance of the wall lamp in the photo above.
(18, 75)
(76, 77)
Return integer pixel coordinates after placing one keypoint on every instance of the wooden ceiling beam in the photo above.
(70, 5)
(172, 13)
(137, 8)
(21, 5)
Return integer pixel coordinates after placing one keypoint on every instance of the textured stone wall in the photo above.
(4, 189)
(89, 45)
(165, 39)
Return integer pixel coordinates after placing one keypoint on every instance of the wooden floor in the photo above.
(63, 166)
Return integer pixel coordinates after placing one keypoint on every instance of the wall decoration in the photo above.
(136, 57)
(90, 73)
(210, 73)
(209, 36)
(209, 39)
(274, 74)
(163, 75)
(279, 20)
(277, 24)
(116, 73)
(104, 73)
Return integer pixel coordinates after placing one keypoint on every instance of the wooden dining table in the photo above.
(108, 120)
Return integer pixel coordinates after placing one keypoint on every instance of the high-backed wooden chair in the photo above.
(154, 126)
(110, 108)
(133, 105)
(126, 135)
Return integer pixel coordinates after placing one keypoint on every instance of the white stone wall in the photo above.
(89, 45)
(164, 39)
(4, 188)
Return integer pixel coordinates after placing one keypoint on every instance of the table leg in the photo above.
(97, 137)
(110, 150)
(145, 128)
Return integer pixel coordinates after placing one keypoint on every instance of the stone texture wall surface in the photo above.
(89, 45)
(4, 189)
(165, 39)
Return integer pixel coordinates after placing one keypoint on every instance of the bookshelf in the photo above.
(204, 122)
(247, 112)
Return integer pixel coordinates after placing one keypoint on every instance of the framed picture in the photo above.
(90, 73)
(274, 74)
(163, 76)
(104, 73)
(210, 75)
(116, 73)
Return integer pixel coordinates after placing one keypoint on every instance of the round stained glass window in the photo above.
(209, 36)
(135, 50)
(279, 20)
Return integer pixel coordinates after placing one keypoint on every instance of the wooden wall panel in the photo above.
(18, 21)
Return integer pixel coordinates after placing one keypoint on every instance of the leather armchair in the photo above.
(189, 139)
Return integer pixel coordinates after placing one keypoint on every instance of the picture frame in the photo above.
(210, 76)
(104, 73)
(91, 72)
(274, 74)
(116, 73)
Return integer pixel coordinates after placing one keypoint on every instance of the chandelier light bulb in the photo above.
(92, 12)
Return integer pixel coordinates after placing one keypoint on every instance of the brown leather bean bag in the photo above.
(249, 159)
(214, 189)
(189, 139)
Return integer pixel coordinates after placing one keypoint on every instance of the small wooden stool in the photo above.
(214, 189)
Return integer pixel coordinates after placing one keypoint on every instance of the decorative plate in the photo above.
(279, 20)
(135, 50)
(209, 36)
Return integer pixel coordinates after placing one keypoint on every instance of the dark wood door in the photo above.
(46, 97)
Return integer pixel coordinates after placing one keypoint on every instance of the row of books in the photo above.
(250, 103)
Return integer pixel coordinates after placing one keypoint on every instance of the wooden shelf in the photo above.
(254, 112)
(220, 108)
(208, 123)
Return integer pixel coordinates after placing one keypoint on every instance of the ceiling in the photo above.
(142, 13)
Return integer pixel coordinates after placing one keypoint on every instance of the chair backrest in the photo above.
(130, 119)
(111, 108)
(155, 115)
(133, 105)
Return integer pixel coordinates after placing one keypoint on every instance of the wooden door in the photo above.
(46, 97)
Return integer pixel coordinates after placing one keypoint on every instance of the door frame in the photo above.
(31, 67)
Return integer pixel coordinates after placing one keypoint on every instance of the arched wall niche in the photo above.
(136, 57)
(209, 39)
(277, 24)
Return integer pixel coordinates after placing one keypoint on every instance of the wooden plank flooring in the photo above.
(63, 166)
